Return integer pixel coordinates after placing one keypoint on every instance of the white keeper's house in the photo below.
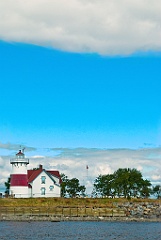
(32, 183)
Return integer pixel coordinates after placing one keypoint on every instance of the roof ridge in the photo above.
(37, 171)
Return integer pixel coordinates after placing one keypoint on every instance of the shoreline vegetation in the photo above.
(79, 209)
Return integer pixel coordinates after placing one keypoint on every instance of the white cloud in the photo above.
(156, 177)
(73, 163)
(38, 157)
(102, 26)
(1, 161)
(5, 170)
(11, 146)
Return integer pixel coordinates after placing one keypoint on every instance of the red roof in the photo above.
(56, 174)
(19, 153)
(32, 174)
(19, 180)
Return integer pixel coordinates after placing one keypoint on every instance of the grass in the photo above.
(66, 202)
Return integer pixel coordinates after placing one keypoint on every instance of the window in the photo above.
(43, 179)
(51, 188)
(42, 191)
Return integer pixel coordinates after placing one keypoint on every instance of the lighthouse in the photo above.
(19, 179)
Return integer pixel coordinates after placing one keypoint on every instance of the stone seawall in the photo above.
(126, 211)
(143, 210)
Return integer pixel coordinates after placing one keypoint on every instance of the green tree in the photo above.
(145, 190)
(121, 182)
(74, 188)
(7, 185)
(157, 191)
(128, 182)
(64, 182)
(124, 182)
(71, 187)
(103, 185)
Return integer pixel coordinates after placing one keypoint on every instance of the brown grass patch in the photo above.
(66, 202)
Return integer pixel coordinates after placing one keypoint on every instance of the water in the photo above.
(80, 230)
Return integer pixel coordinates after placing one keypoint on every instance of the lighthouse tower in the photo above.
(19, 179)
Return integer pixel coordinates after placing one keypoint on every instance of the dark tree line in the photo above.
(124, 182)
(71, 187)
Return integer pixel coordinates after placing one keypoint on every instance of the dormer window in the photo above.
(43, 178)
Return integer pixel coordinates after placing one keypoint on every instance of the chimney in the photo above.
(40, 166)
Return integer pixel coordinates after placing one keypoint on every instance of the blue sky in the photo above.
(78, 100)
(77, 92)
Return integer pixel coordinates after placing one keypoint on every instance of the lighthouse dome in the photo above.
(20, 154)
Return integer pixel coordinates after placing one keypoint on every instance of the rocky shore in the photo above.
(88, 218)
(141, 209)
